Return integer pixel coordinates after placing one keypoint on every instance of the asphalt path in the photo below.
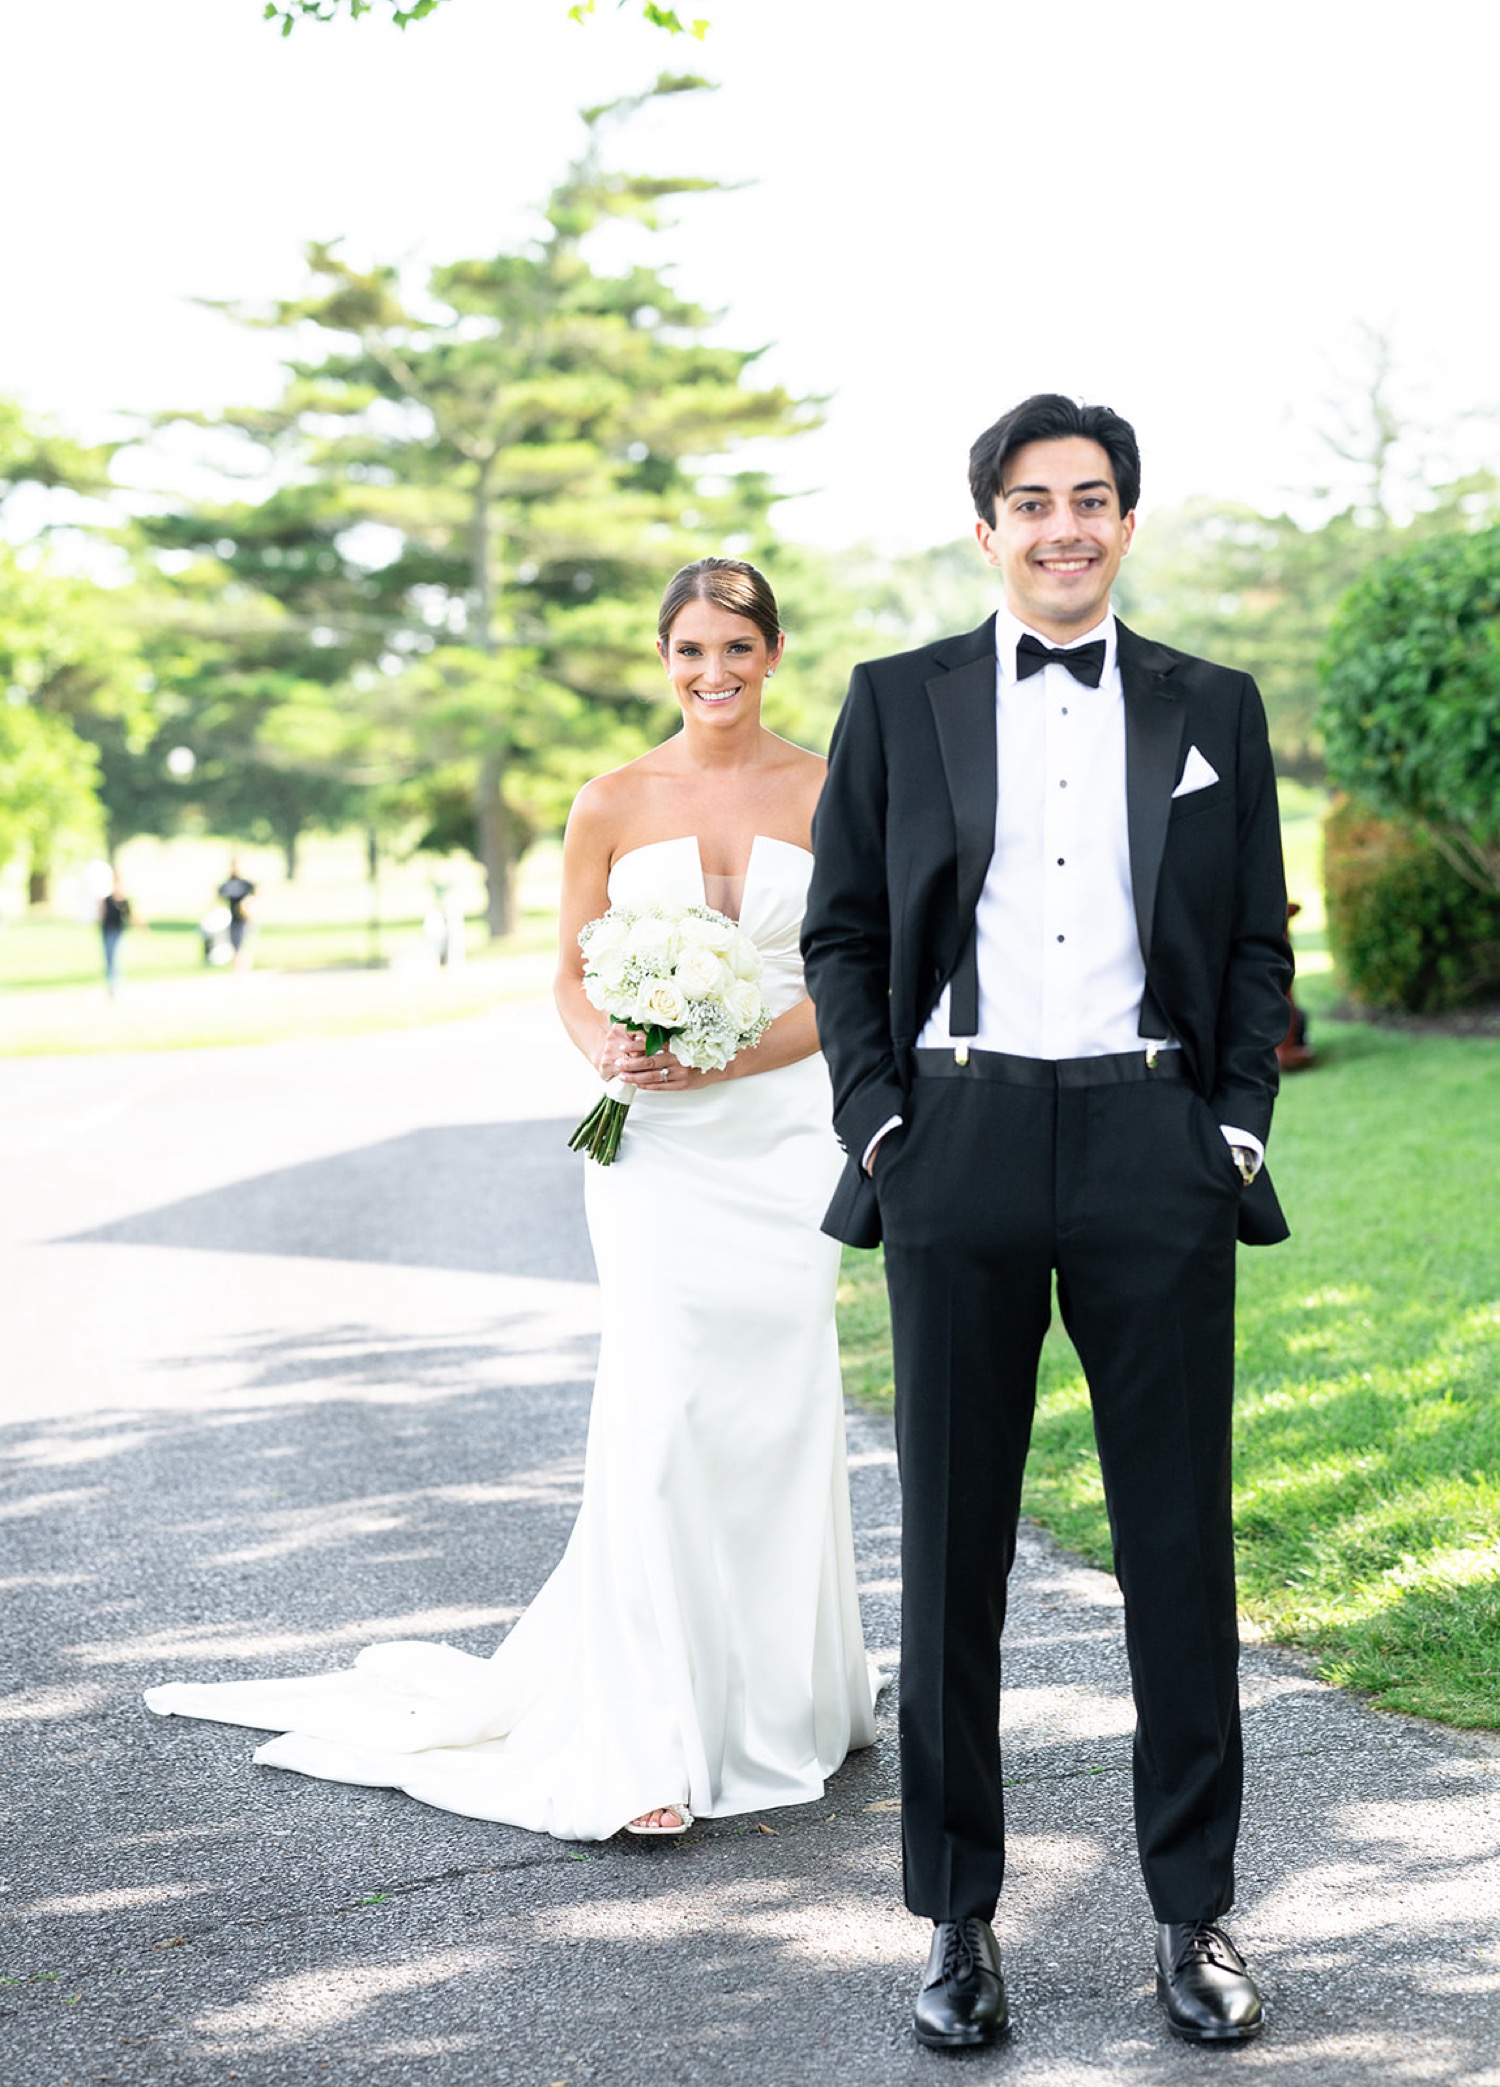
(295, 1352)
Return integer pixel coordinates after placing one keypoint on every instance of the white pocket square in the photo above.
(1197, 774)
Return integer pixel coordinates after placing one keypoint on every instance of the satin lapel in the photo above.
(963, 705)
(1154, 719)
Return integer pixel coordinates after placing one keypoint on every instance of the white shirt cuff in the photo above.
(1233, 1135)
(869, 1151)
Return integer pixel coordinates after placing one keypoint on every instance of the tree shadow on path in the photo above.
(486, 1198)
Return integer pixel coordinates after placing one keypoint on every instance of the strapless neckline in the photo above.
(690, 840)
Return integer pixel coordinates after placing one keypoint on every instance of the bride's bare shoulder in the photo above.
(618, 789)
(623, 807)
(801, 773)
(812, 769)
(794, 759)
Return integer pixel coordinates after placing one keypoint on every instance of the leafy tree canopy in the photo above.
(33, 452)
(70, 660)
(46, 784)
(67, 660)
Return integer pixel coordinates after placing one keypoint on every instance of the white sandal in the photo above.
(654, 1833)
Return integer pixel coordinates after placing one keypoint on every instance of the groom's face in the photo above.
(1058, 535)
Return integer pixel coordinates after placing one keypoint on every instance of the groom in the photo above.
(1046, 942)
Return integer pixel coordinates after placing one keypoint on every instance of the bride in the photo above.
(698, 1649)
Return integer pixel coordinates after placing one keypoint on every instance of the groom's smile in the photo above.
(1058, 536)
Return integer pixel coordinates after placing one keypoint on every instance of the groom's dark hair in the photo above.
(1049, 417)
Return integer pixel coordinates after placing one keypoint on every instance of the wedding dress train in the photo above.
(700, 1639)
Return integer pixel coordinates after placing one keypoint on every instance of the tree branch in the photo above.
(290, 12)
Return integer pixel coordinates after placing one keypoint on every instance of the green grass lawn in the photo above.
(1368, 1419)
(209, 1009)
(42, 955)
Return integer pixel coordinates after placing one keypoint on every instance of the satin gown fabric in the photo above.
(700, 1639)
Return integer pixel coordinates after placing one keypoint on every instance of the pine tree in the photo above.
(480, 492)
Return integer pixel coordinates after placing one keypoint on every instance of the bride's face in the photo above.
(717, 663)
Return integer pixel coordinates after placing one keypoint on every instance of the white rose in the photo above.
(717, 935)
(608, 969)
(703, 1054)
(602, 935)
(745, 958)
(653, 940)
(661, 1005)
(743, 1003)
(698, 971)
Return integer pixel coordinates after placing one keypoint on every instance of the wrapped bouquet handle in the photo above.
(690, 977)
(600, 1131)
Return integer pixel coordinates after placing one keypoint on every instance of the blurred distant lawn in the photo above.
(330, 956)
(218, 1008)
(1368, 1418)
(40, 955)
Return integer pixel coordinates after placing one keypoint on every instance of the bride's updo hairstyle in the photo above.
(729, 583)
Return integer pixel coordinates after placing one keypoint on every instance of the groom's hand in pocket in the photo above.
(876, 1143)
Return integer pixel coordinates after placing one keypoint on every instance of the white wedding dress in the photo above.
(700, 1639)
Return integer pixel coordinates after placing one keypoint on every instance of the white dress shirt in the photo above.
(1061, 973)
(1060, 968)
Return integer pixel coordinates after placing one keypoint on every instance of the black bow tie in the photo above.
(1084, 662)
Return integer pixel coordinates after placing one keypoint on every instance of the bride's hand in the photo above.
(622, 1056)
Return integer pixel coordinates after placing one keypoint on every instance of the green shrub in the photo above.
(1411, 695)
(1406, 930)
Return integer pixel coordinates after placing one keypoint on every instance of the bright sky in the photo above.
(1178, 208)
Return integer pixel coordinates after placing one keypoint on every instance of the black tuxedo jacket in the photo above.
(902, 842)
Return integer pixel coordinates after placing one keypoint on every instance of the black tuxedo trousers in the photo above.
(1129, 1194)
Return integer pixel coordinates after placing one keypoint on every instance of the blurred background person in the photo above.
(237, 891)
(115, 916)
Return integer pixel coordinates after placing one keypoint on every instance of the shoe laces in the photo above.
(1205, 1943)
(961, 1953)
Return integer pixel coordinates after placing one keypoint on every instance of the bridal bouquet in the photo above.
(689, 977)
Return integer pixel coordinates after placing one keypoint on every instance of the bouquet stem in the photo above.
(598, 1136)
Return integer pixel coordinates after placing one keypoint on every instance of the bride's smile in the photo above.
(718, 663)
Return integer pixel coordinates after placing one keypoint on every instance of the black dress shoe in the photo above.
(1201, 1981)
(962, 2001)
